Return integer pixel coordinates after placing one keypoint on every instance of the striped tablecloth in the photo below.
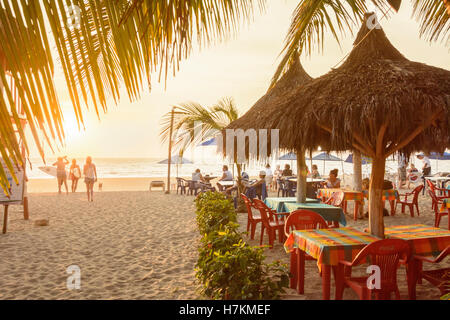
(349, 195)
(424, 240)
(329, 213)
(328, 246)
(278, 204)
(390, 194)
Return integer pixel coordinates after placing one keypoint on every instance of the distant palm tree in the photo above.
(100, 44)
(191, 119)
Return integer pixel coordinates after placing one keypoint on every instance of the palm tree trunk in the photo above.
(376, 224)
(301, 176)
(357, 175)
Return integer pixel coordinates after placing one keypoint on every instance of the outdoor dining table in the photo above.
(390, 194)
(226, 183)
(349, 195)
(440, 181)
(329, 213)
(328, 247)
(423, 240)
(277, 203)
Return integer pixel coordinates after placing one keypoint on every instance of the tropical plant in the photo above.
(312, 18)
(195, 123)
(227, 267)
(100, 44)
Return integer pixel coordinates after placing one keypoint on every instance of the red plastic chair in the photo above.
(270, 222)
(387, 254)
(253, 218)
(445, 192)
(440, 278)
(437, 209)
(411, 204)
(301, 220)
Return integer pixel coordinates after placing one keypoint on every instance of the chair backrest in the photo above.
(431, 185)
(416, 192)
(266, 213)
(179, 182)
(434, 200)
(442, 255)
(304, 220)
(336, 199)
(248, 205)
(386, 254)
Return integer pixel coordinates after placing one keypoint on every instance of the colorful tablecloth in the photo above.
(424, 240)
(278, 203)
(387, 194)
(329, 213)
(328, 246)
(349, 195)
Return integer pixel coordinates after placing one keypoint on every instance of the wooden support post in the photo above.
(376, 224)
(26, 214)
(301, 176)
(5, 218)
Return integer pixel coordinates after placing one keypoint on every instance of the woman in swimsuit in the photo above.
(75, 174)
(90, 177)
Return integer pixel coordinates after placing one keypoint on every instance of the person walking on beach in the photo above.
(90, 177)
(61, 175)
(74, 174)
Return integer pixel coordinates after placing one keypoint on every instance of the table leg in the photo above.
(301, 271)
(392, 203)
(448, 218)
(345, 206)
(411, 276)
(356, 211)
(326, 279)
(293, 270)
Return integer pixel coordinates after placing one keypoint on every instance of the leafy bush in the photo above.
(214, 210)
(227, 267)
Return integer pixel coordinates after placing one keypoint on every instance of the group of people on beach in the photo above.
(406, 175)
(89, 172)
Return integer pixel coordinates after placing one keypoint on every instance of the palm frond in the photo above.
(116, 42)
(194, 123)
(434, 17)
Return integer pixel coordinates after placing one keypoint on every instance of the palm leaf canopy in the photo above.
(375, 90)
(101, 45)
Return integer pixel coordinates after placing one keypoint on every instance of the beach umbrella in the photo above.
(377, 102)
(364, 160)
(288, 156)
(210, 142)
(439, 156)
(177, 160)
(266, 114)
(326, 157)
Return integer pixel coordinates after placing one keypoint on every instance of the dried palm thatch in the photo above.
(377, 102)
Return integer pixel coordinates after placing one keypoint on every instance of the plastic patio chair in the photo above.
(181, 185)
(440, 278)
(387, 254)
(438, 214)
(252, 218)
(411, 204)
(301, 220)
(270, 222)
(432, 187)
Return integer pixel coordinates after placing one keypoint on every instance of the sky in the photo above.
(240, 67)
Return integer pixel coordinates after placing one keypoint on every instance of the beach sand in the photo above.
(130, 245)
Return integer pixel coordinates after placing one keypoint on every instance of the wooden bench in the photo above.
(158, 184)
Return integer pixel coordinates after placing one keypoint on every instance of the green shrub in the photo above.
(214, 210)
(227, 267)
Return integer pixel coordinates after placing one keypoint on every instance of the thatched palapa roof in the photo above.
(375, 89)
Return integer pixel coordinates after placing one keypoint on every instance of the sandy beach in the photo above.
(130, 245)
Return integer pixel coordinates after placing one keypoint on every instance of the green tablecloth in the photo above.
(329, 213)
(278, 203)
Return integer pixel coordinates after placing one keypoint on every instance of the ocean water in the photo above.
(149, 167)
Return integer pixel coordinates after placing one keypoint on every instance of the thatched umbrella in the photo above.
(378, 102)
(265, 114)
